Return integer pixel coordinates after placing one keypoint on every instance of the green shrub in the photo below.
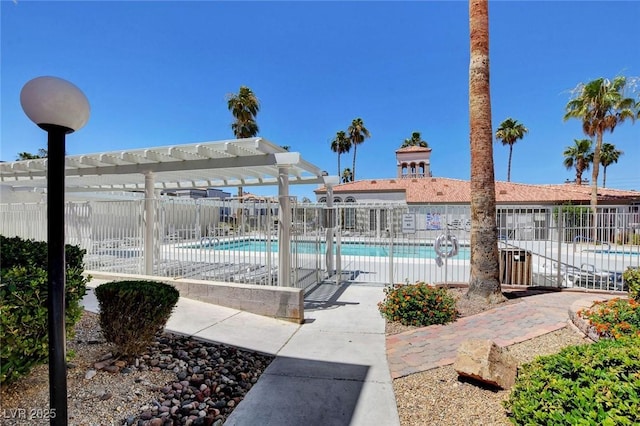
(614, 318)
(628, 238)
(418, 304)
(133, 312)
(595, 384)
(18, 252)
(632, 277)
(24, 338)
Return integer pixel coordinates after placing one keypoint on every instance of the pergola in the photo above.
(237, 162)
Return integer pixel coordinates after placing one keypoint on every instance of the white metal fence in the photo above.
(225, 240)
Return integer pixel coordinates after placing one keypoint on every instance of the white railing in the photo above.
(225, 240)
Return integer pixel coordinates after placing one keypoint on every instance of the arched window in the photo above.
(322, 200)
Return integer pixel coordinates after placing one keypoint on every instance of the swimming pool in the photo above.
(616, 252)
(348, 248)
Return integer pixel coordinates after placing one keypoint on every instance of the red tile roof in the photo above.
(414, 148)
(452, 191)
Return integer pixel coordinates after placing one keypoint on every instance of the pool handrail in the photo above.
(583, 238)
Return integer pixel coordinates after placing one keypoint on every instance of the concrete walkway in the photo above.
(332, 370)
(436, 346)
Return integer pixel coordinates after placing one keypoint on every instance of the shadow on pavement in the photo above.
(325, 295)
(294, 391)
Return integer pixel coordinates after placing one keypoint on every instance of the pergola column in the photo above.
(284, 227)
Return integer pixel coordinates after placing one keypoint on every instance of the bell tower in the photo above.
(413, 162)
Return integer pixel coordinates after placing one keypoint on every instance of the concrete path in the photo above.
(436, 346)
(332, 370)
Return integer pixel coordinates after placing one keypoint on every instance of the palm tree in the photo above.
(601, 105)
(341, 145)
(244, 107)
(347, 176)
(608, 156)
(509, 132)
(357, 134)
(484, 281)
(42, 153)
(578, 155)
(415, 140)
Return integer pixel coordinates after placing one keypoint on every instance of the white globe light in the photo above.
(52, 100)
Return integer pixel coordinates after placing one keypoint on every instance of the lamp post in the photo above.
(59, 108)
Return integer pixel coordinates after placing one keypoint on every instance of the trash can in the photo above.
(515, 267)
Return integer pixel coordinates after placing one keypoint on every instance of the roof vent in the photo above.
(503, 192)
(392, 181)
(439, 193)
(414, 180)
(373, 182)
(433, 179)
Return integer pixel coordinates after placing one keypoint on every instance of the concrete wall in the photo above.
(277, 302)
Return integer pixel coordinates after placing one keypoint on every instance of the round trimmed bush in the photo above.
(632, 277)
(596, 384)
(418, 304)
(132, 313)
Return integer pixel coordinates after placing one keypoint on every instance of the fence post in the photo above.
(560, 239)
(392, 213)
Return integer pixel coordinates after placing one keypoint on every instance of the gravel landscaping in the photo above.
(178, 381)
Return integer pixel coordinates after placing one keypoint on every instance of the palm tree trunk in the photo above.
(338, 164)
(594, 172)
(353, 170)
(604, 176)
(594, 185)
(509, 167)
(484, 281)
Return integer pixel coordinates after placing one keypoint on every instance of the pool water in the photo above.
(622, 252)
(346, 248)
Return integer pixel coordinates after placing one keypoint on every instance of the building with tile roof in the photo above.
(414, 185)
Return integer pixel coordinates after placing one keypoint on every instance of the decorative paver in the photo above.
(436, 346)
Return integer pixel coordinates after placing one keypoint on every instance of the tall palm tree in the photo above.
(484, 280)
(244, 107)
(341, 145)
(357, 134)
(608, 156)
(601, 104)
(347, 176)
(509, 132)
(415, 140)
(578, 155)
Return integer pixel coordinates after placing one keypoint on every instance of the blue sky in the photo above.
(157, 73)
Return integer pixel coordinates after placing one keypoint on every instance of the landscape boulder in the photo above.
(484, 361)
